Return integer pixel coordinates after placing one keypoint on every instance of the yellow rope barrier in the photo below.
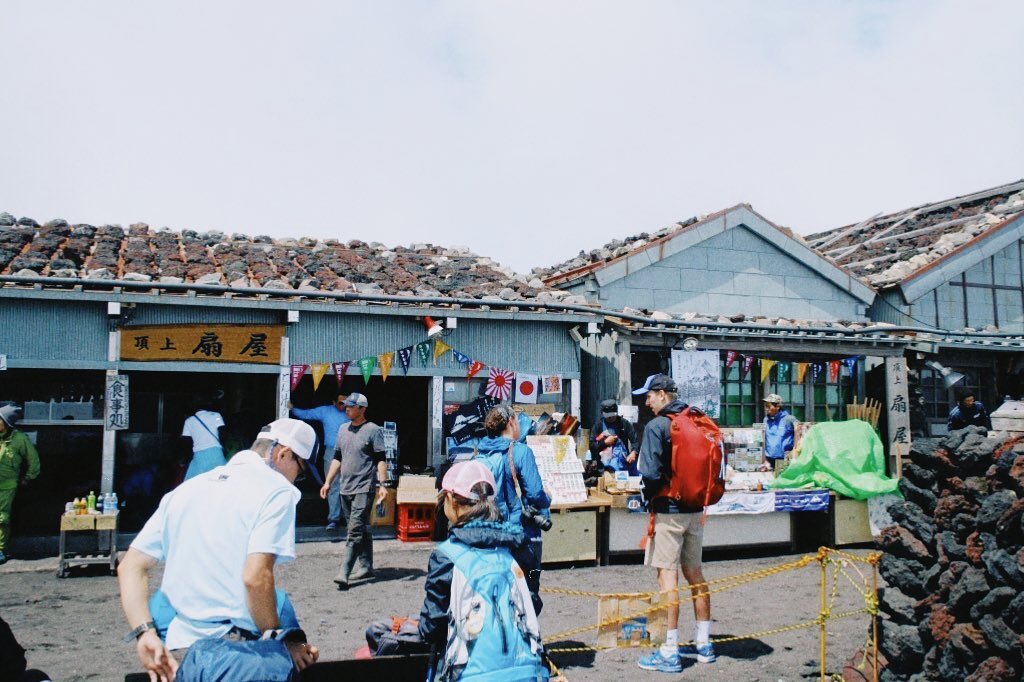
(826, 557)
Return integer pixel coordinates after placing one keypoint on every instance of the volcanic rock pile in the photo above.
(60, 249)
(954, 563)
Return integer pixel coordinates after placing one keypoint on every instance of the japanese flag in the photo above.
(526, 388)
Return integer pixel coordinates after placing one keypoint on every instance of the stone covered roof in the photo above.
(60, 249)
(621, 248)
(888, 249)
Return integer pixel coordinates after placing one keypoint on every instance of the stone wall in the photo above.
(954, 563)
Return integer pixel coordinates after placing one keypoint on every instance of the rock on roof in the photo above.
(888, 249)
(619, 248)
(60, 249)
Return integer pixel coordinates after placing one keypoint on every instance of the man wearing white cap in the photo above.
(219, 535)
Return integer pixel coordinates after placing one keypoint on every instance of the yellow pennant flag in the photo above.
(766, 368)
(319, 370)
(801, 370)
(384, 362)
(440, 348)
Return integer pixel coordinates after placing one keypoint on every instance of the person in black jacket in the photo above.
(968, 412)
(678, 538)
(614, 440)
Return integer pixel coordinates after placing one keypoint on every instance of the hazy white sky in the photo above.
(524, 130)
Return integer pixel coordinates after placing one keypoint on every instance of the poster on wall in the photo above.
(697, 376)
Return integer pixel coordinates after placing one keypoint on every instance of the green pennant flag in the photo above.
(782, 373)
(424, 350)
(366, 366)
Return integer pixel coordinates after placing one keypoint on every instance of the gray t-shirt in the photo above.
(358, 448)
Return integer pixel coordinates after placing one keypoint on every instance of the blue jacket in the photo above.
(778, 434)
(331, 417)
(434, 614)
(494, 451)
(961, 418)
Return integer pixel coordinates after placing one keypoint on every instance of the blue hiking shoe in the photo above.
(662, 664)
(705, 653)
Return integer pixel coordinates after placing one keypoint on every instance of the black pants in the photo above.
(528, 556)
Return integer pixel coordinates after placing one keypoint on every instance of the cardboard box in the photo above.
(638, 624)
(384, 514)
(416, 490)
(78, 522)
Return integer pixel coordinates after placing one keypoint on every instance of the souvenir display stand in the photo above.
(579, 518)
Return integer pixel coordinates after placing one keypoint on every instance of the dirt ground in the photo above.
(72, 628)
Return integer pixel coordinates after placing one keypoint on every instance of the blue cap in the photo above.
(656, 382)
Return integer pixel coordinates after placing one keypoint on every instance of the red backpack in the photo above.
(698, 460)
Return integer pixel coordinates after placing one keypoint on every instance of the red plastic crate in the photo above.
(415, 522)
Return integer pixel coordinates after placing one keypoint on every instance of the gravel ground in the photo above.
(72, 628)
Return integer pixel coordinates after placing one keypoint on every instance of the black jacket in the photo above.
(434, 614)
(622, 428)
(656, 460)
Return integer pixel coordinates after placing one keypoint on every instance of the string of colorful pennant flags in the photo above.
(786, 371)
(502, 384)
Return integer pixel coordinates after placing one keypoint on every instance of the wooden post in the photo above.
(110, 437)
(897, 408)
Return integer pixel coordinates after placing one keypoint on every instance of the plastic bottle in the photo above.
(113, 503)
(69, 508)
(77, 506)
(91, 502)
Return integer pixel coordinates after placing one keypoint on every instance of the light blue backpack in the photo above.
(493, 634)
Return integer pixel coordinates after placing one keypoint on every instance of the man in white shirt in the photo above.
(219, 536)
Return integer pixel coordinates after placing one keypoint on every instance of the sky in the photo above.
(527, 131)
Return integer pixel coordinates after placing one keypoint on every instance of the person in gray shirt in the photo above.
(360, 464)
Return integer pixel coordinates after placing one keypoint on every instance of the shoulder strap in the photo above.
(203, 424)
(512, 468)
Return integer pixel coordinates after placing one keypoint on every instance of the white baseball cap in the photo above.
(292, 433)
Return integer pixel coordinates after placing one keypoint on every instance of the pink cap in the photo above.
(461, 478)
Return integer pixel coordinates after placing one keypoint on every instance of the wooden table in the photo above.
(95, 523)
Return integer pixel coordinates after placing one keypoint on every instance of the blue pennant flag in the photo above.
(851, 363)
(404, 356)
(461, 358)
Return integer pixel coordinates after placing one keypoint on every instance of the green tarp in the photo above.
(846, 457)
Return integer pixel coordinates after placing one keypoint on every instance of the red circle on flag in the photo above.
(526, 387)
(499, 380)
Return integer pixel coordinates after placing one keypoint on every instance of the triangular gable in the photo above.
(741, 215)
(964, 257)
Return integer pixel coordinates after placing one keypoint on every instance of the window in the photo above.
(741, 397)
(831, 397)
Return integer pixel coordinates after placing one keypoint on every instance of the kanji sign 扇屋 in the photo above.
(248, 343)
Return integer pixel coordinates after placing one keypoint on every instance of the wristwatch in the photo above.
(139, 631)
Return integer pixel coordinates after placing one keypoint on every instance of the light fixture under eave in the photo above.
(432, 327)
(949, 377)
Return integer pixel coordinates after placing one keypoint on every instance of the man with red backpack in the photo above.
(678, 533)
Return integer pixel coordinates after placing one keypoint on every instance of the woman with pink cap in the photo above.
(477, 608)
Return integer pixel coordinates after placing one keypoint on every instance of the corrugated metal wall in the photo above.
(889, 307)
(53, 330)
(184, 314)
(526, 346)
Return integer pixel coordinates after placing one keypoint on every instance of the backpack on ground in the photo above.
(492, 631)
(698, 460)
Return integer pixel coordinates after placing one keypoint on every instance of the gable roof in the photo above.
(893, 249)
(618, 258)
(61, 250)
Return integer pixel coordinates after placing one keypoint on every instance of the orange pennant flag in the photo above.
(801, 370)
(319, 370)
(384, 362)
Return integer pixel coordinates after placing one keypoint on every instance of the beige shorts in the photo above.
(678, 541)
